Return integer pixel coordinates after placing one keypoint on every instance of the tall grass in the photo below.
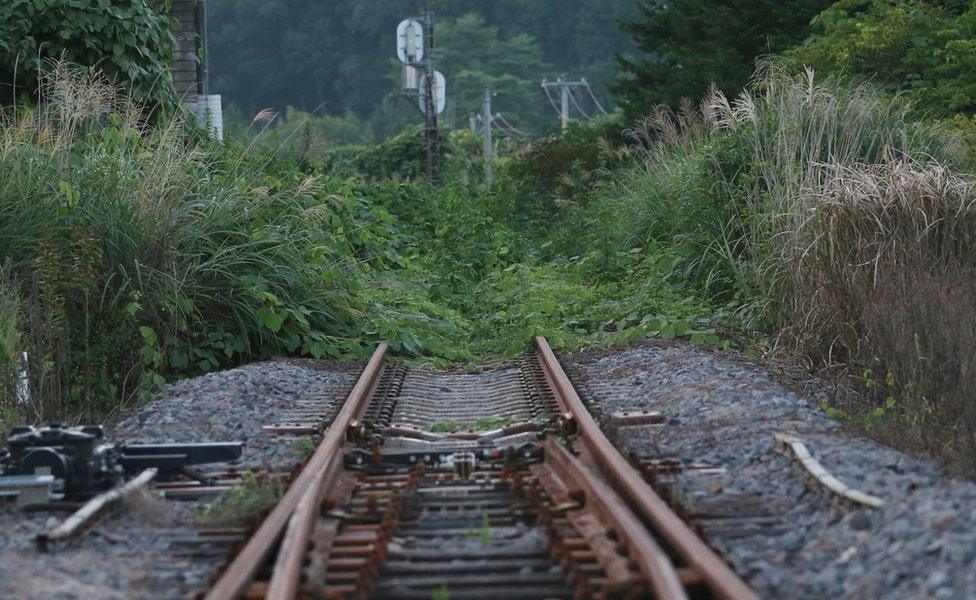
(10, 349)
(142, 247)
(863, 238)
(806, 139)
(861, 230)
(839, 225)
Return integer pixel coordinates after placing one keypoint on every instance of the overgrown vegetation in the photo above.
(143, 250)
(923, 49)
(811, 217)
(130, 41)
(816, 220)
(243, 505)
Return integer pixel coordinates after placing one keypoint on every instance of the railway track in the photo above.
(493, 484)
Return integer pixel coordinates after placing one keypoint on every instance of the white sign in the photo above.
(410, 41)
(440, 92)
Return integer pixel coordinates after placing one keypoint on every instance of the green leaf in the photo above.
(270, 319)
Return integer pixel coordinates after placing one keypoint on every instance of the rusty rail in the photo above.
(241, 571)
(719, 578)
(651, 559)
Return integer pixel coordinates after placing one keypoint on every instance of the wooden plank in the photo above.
(823, 476)
(86, 516)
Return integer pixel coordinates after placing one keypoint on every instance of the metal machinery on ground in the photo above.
(78, 462)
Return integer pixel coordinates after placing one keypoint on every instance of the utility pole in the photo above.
(430, 110)
(565, 88)
(425, 85)
(489, 147)
(564, 106)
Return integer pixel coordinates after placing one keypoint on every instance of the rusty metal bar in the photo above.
(85, 517)
(235, 579)
(717, 575)
(650, 558)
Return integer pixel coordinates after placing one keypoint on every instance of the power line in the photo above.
(572, 97)
(546, 90)
(593, 96)
(502, 120)
(564, 92)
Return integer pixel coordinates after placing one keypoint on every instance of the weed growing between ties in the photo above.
(244, 504)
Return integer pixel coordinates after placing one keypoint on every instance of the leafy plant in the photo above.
(242, 504)
(130, 41)
(921, 49)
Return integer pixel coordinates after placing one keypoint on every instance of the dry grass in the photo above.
(866, 242)
(862, 241)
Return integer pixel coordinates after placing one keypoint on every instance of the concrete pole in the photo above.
(564, 113)
(489, 146)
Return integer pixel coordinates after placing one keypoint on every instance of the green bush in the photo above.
(10, 349)
(130, 41)
(401, 157)
(925, 50)
(547, 166)
(148, 252)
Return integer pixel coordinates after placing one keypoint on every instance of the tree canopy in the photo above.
(340, 55)
(925, 50)
(689, 44)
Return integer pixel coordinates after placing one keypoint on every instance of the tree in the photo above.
(339, 54)
(689, 44)
(477, 57)
(924, 50)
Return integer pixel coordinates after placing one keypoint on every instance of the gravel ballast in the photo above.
(788, 537)
(143, 551)
(234, 405)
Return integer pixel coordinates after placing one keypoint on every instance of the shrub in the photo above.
(545, 167)
(400, 157)
(129, 40)
(921, 49)
(145, 251)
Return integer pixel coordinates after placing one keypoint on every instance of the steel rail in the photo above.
(717, 575)
(242, 569)
(652, 561)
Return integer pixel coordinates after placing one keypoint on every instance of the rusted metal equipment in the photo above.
(616, 516)
(86, 516)
(239, 573)
(719, 578)
(84, 464)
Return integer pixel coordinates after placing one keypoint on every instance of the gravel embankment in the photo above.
(787, 538)
(143, 552)
(234, 405)
(133, 554)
